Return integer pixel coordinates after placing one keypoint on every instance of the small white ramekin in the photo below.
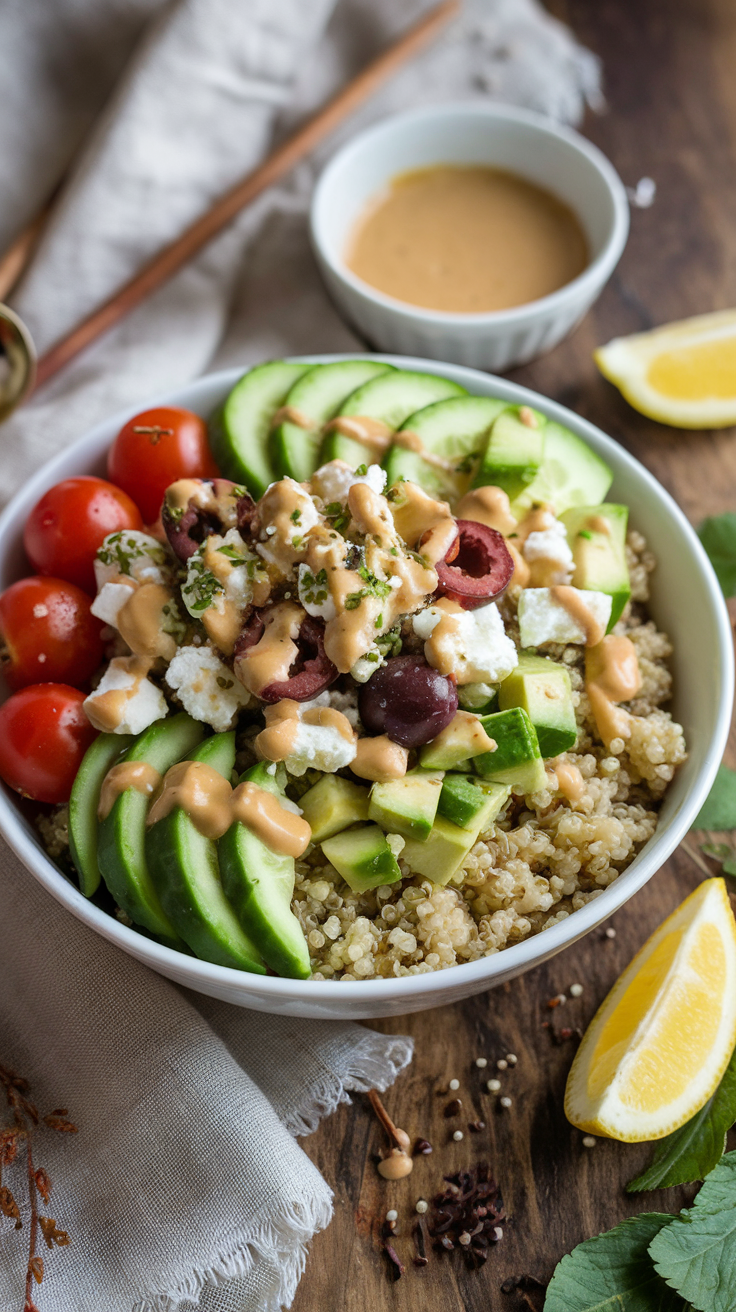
(524, 143)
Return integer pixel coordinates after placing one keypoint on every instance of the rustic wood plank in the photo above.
(669, 78)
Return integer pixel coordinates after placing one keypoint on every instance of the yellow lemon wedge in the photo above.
(683, 374)
(657, 1047)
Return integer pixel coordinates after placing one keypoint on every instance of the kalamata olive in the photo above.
(218, 512)
(407, 700)
(311, 672)
(478, 566)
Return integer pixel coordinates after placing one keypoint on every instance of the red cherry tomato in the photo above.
(156, 448)
(44, 734)
(48, 632)
(65, 528)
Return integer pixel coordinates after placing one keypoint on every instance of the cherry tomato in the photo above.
(48, 632)
(156, 448)
(44, 734)
(65, 528)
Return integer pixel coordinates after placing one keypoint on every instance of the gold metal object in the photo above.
(17, 361)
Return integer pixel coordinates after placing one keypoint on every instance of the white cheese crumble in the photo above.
(319, 746)
(551, 545)
(206, 688)
(145, 704)
(238, 571)
(333, 481)
(368, 663)
(133, 555)
(314, 593)
(110, 601)
(543, 619)
(471, 644)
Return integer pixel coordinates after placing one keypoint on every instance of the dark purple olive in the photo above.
(407, 700)
(477, 567)
(187, 531)
(311, 672)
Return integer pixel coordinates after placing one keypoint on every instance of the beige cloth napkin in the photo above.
(185, 1186)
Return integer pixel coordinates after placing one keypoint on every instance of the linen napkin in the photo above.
(184, 1187)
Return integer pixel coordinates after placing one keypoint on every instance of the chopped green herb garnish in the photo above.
(585, 534)
(295, 516)
(337, 516)
(361, 471)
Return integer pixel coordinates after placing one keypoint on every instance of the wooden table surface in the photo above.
(672, 115)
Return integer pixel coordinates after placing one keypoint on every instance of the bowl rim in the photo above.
(593, 276)
(485, 971)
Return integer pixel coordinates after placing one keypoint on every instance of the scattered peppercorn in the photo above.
(493, 1086)
(481, 1062)
(610, 932)
(589, 1141)
(392, 1215)
(575, 990)
(511, 1058)
(505, 1102)
(457, 1135)
(453, 1107)
(502, 1064)
(422, 1148)
(467, 1213)
(476, 1126)
(422, 1206)
(454, 1084)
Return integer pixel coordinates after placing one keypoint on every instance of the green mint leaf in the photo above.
(692, 1152)
(696, 1253)
(719, 851)
(729, 865)
(614, 1273)
(719, 809)
(718, 536)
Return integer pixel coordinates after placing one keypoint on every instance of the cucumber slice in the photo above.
(318, 394)
(122, 834)
(390, 398)
(83, 803)
(452, 429)
(239, 431)
(260, 884)
(570, 474)
(186, 875)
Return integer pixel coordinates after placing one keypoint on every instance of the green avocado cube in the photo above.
(462, 739)
(463, 797)
(542, 688)
(515, 450)
(517, 758)
(597, 538)
(441, 855)
(332, 805)
(362, 857)
(406, 806)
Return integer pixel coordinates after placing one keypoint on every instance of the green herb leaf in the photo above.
(614, 1273)
(696, 1253)
(718, 536)
(719, 809)
(691, 1153)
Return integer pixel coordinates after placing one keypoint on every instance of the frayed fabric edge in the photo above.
(374, 1063)
(283, 1240)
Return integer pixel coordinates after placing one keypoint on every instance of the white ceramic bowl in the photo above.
(686, 602)
(524, 143)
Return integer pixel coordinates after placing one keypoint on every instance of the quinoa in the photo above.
(543, 858)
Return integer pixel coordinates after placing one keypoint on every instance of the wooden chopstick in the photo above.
(16, 258)
(168, 261)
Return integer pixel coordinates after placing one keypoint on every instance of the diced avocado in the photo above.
(443, 853)
(480, 698)
(517, 758)
(333, 804)
(597, 537)
(462, 739)
(363, 858)
(571, 474)
(121, 849)
(83, 803)
(463, 797)
(542, 688)
(514, 451)
(407, 806)
(259, 884)
(239, 431)
(186, 874)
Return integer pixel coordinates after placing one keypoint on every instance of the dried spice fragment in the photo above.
(467, 1213)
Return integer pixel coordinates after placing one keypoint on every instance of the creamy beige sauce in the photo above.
(213, 806)
(205, 497)
(570, 782)
(380, 760)
(128, 774)
(612, 675)
(290, 414)
(466, 239)
(270, 659)
(522, 573)
(442, 644)
(573, 600)
(465, 732)
(409, 441)
(141, 621)
(372, 433)
(598, 524)
(420, 519)
(106, 710)
(281, 508)
(488, 505)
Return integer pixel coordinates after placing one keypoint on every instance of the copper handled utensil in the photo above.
(17, 361)
(174, 256)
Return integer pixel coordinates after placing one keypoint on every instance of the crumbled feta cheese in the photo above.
(471, 644)
(333, 481)
(110, 601)
(426, 621)
(396, 843)
(223, 569)
(551, 546)
(133, 555)
(319, 746)
(144, 704)
(474, 695)
(368, 663)
(206, 688)
(314, 593)
(345, 702)
(543, 619)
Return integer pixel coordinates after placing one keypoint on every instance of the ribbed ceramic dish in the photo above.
(686, 603)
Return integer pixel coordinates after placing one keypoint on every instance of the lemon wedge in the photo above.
(657, 1047)
(683, 374)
